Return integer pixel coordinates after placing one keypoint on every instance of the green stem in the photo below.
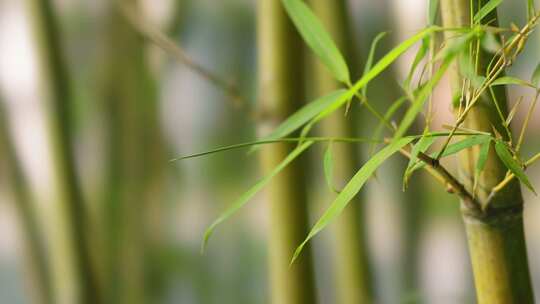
(352, 265)
(495, 236)
(280, 93)
(60, 126)
(135, 159)
(35, 246)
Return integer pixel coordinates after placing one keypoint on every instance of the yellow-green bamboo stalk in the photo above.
(59, 107)
(495, 237)
(35, 248)
(280, 93)
(352, 271)
(135, 157)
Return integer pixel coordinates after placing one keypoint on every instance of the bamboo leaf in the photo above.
(328, 164)
(481, 162)
(305, 114)
(513, 112)
(535, 78)
(421, 146)
(507, 80)
(352, 188)
(485, 10)
(378, 68)
(452, 149)
(371, 56)
(508, 160)
(422, 52)
(396, 105)
(242, 200)
(317, 38)
(421, 98)
(530, 8)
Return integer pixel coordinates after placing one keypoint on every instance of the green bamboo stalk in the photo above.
(496, 238)
(35, 248)
(55, 75)
(135, 158)
(280, 92)
(351, 262)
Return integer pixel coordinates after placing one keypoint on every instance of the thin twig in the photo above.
(156, 36)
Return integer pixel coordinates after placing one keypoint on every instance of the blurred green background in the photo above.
(160, 109)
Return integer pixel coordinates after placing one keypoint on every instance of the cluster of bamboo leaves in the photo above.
(431, 62)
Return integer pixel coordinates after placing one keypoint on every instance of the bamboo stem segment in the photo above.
(351, 262)
(495, 235)
(55, 75)
(280, 93)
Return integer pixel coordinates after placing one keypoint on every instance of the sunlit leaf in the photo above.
(378, 68)
(530, 8)
(352, 188)
(481, 162)
(305, 114)
(507, 80)
(468, 142)
(371, 56)
(422, 52)
(421, 98)
(505, 155)
(396, 105)
(421, 146)
(242, 200)
(317, 38)
(485, 10)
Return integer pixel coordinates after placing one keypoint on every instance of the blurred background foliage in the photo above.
(135, 107)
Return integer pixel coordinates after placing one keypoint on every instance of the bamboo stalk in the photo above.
(351, 262)
(35, 248)
(135, 158)
(280, 93)
(55, 75)
(495, 236)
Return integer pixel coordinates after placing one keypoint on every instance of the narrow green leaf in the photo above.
(535, 78)
(421, 146)
(242, 200)
(352, 188)
(317, 38)
(305, 114)
(328, 164)
(422, 52)
(530, 8)
(512, 112)
(507, 80)
(421, 98)
(433, 9)
(485, 10)
(378, 68)
(481, 162)
(371, 56)
(396, 105)
(508, 160)
(469, 141)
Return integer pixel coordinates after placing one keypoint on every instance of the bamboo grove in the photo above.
(111, 248)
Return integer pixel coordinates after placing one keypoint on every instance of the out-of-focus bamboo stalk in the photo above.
(280, 93)
(352, 267)
(34, 245)
(135, 159)
(59, 107)
(496, 238)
